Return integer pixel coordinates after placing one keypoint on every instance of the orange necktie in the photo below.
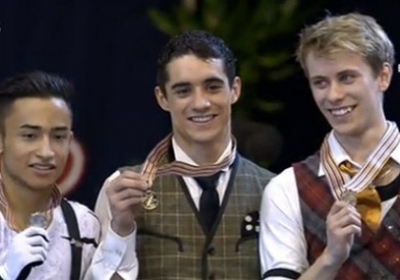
(368, 200)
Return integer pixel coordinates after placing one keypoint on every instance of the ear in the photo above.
(236, 90)
(71, 137)
(385, 77)
(1, 143)
(161, 98)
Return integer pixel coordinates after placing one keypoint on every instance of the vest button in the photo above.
(211, 251)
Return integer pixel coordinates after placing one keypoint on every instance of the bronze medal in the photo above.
(349, 197)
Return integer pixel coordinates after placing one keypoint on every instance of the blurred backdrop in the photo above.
(109, 49)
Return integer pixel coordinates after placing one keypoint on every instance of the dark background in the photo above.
(109, 50)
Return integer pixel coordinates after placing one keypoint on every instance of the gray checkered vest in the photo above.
(172, 244)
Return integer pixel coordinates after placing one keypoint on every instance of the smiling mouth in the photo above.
(43, 167)
(202, 119)
(339, 112)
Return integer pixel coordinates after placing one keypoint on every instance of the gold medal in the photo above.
(349, 197)
(149, 200)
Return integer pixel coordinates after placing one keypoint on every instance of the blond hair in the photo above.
(353, 32)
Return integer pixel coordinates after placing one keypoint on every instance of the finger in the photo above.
(131, 202)
(350, 230)
(37, 254)
(34, 230)
(38, 241)
(337, 206)
(122, 183)
(345, 211)
(44, 237)
(127, 204)
(134, 183)
(127, 193)
(349, 219)
(129, 174)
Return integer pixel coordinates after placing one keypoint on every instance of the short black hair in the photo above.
(33, 84)
(200, 43)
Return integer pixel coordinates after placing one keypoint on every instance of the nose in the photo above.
(45, 150)
(201, 100)
(336, 93)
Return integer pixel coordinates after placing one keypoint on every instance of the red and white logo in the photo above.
(74, 168)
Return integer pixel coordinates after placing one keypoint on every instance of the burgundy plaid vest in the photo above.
(373, 256)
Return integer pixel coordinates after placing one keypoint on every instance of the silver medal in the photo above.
(38, 220)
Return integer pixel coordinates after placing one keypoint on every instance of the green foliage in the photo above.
(256, 31)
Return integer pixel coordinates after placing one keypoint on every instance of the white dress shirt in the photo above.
(194, 189)
(282, 240)
(102, 210)
(97, 264)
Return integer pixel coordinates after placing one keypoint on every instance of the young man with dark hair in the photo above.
(42, 235)
(193, 205)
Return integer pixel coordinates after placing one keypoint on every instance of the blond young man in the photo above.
(336, 214)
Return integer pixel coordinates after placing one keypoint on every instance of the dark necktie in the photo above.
(209, 199)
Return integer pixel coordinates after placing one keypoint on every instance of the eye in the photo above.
(214, 87)
(347, 78)
(182, 91)
(60, 137)
(319, 84)
(29, 136)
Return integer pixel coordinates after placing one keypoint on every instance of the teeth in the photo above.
(342, 111)
(201, 119)
(43, 167)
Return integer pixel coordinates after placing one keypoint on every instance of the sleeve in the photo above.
(283, 248)
(115, 254)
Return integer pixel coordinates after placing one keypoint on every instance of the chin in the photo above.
(42, 184)
(347, 130)
(204, 136)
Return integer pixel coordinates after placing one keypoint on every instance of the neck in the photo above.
(23, 200)
(360, 147)
(204, 152)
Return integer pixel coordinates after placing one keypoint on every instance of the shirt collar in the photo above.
(339, 155)
(181, 155)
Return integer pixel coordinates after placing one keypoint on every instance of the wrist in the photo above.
(122, 229)
(329, 261)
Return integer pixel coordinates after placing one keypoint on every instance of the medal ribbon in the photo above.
(373, 166)
(54, 202)
(153, 168)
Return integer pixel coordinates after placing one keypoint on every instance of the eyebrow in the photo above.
(208, 80)
(178, 85)
(345, 71)
(37, 127)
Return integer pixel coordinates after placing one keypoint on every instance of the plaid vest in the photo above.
(171, 241)
(373, 256)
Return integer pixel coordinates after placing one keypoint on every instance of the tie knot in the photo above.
(208, 182)
(348, 168)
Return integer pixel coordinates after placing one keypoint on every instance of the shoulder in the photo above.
(252, 168)
(88, 221)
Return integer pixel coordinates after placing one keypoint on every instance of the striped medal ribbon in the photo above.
(153, 168)
(44, 217)
(376, 161)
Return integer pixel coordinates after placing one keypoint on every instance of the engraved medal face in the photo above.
(349, 197)
(38, 220)
(149, 200)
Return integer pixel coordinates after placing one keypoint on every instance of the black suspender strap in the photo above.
(74, 234)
